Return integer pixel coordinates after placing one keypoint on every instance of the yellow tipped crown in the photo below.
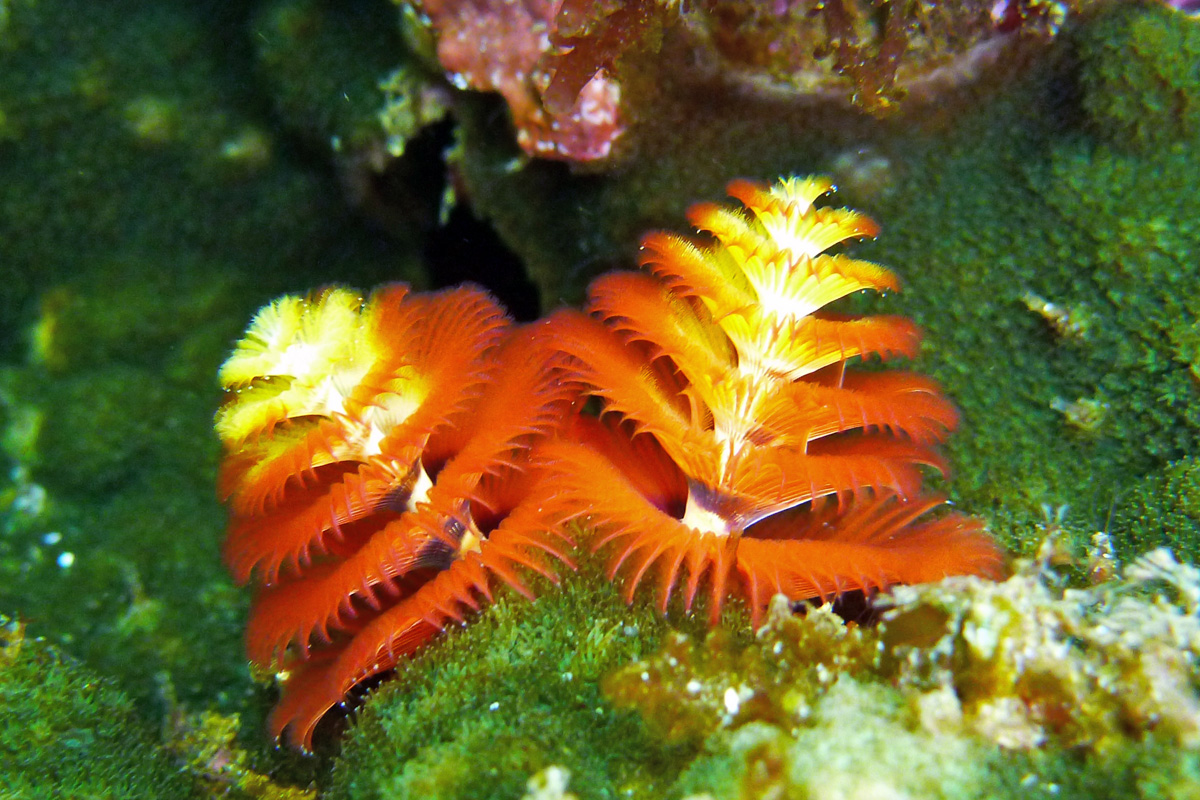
(299, 358)
(768, 275)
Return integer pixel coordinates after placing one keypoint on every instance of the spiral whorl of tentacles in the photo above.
(378, 478)
(735, 448)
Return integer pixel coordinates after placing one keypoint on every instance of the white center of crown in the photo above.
(700, 518)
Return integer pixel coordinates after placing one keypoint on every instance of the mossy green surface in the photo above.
(322, 62)
(67, 733)
(1163, 508)
(136, 132)
(342, 87)
(1140, 76)
(481, 710)
(1007, 214)
(120, 563)
(1018, 203)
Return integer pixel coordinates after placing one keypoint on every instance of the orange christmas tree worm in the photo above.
(737, 449)
(378, 478)
(391, 461)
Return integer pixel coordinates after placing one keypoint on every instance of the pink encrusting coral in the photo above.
(500, 46)
(565, 67)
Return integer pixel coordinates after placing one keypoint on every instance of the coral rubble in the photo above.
(1028, 663)
(956, 674)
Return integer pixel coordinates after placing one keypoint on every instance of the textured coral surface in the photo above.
(64, 731)
(168, 168)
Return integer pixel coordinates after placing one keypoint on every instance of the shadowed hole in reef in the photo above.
(854, 606)
(468, 249)
(408, 194)
(334, 725)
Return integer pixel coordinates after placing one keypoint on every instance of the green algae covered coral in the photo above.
(1135, 230)
(140, 136)
(311, 54)
(690, 689)
(1021, 217)
(64, 732)
(67, 732)
(1164, 507)
(1141, 87)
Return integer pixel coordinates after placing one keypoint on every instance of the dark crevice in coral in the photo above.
(404, 197)
(854, 606)
(1062, 97)
(466, 248)
(330, 731)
